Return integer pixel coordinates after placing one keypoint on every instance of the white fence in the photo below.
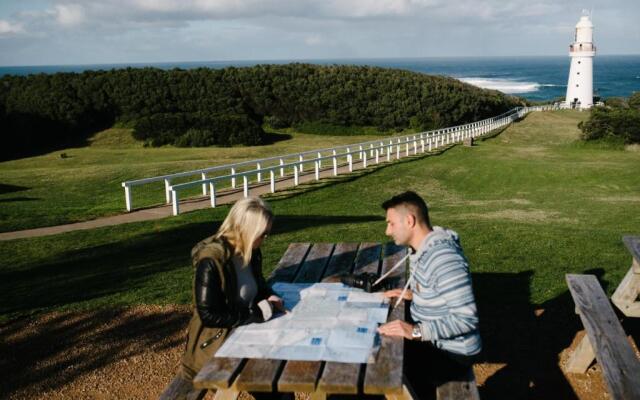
(341, 155)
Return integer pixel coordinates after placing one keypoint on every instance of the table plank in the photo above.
(303, 375)
(341, 261)
(290, 262)
(620, 366)
(342, 378)
(218, 372)
(313, 267)
(385, 375)
(259, 375)
(368, 259)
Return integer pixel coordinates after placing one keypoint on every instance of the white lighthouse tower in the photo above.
(582, 51)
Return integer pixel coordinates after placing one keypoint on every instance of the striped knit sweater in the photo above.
(443, 304)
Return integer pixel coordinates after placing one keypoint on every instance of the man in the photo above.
(444, 335)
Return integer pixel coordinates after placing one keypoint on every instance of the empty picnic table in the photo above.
(309, 263)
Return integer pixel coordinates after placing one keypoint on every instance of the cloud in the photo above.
(9, 28)
(69, 15)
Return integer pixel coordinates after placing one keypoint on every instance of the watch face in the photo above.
(416, 332)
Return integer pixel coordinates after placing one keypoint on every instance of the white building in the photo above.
(582, 51)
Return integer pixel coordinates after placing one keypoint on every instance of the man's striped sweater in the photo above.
(443, 303)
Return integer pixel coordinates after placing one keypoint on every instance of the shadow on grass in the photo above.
(5, 188)
(527, 339)
(275, 137)
(120, 267)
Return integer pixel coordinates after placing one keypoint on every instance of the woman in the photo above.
(229, 289)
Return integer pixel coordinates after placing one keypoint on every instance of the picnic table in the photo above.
(309, 263)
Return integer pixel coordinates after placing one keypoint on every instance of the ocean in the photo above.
(534, 78)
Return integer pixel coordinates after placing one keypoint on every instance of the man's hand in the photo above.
(277, 303)
(408, 295)
(397, 328)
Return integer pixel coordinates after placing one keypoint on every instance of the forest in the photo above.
(230, 106)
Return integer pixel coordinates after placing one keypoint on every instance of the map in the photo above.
(326, 322)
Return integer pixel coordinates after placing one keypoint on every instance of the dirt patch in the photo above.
(533, 216)
(133, 353)
(619, 199)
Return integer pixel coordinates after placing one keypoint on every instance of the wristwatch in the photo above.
(416, 333)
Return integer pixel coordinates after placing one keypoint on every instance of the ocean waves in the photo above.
(508, 86)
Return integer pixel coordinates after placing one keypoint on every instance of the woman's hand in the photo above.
(277, 303)
(408, 295)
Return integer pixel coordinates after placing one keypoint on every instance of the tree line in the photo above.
(618, 120)
(203, 107)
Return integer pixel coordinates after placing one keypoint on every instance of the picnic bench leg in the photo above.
(226, 394)
(582, 356)
(407, 393)
(318, 396)
(627, 292)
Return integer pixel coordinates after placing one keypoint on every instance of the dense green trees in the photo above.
(619, 120)
(203, 107)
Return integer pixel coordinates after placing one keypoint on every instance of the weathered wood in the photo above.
(620, 366)
(299, 376)
(258, 375)
(626, 295)
(392, 254)
(407, 394)
(218, 373)
(633, 245)
(339, 378)
(313, 267)
(226, 394)
(290, 262)
(368, 259)
(180, 388)
(456, 390)
(341, 261)
(582, 357)
(385, 375)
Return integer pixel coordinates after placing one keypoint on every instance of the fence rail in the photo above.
(374, 150)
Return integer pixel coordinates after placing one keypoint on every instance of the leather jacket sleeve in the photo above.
(213, 306)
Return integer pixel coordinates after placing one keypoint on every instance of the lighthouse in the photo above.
(581, 51)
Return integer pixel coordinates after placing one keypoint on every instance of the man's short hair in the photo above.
(413, 202)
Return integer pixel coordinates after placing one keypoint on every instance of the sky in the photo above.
(60, 32)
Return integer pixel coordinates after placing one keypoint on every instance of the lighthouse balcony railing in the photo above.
(576, 48)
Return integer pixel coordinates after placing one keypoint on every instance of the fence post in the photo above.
(204, 185)
(317, 162)
(245, 184)
(127, 196)
(335, 165)
(212, 192)
(360, 148)
(295, 175)
(272, 180)
(259, 168)
(167, 190)
(389, 150)
(364, 159)
(174, 199)
(233, 178)
(406, 147)
(301, 160)
(281, 169)
(377, 156)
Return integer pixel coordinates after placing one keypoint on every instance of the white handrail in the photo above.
(451, 135)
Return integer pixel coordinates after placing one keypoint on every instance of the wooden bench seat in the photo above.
(605, 339)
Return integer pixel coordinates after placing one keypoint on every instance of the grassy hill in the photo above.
(530, 204)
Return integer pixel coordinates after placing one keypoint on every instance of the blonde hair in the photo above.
(248, 219)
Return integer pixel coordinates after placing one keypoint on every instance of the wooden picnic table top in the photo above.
(308, 263)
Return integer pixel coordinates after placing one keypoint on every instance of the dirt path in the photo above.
(133, 353)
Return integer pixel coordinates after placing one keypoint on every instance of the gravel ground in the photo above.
(133, 353)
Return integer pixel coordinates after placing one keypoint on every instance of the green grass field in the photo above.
(530, 204)
(50, 190)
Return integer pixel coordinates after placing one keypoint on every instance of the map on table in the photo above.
(327, 322)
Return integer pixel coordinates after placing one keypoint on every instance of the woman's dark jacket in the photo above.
(217, 310)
